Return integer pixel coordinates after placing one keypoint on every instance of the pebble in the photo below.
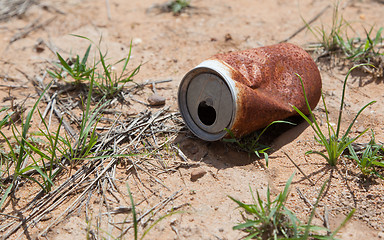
(197, 173)
(156, 100)
(136, 41)
(360, 129)
(381, 235)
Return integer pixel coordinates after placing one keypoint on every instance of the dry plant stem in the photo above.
(136, 100)
(38, 83)
(306, 177)
(148, 82)
(6, 78)
(78, 199)
(47, 6)
(108, 9)
(348, 187)
(181, 154)
(326, 219)
(30, 28)
(111, 163)
(306, 25)
(40, 207)
(12, 86)
(48, 99)
(308, 203)
(12, 8)
(103, 190)
(161, 204)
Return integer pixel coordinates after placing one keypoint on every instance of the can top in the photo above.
(206, 103)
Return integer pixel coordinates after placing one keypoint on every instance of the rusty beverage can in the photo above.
(245, 91)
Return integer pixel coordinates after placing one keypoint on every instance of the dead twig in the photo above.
(326, 220)
(309, 180)
(30, 28)
(161, 204)
(12, 8)
(108, 9)
(306, 24)
(308, 203)
(12, 86)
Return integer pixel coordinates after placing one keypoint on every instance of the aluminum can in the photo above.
(247, 90)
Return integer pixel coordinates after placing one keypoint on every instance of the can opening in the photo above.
(207, 103)
(206, 113)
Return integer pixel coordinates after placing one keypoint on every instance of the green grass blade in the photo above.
(133, 212)
(308, 227)
(343, 95)
(106, 71)
(64, 64)
(250, 236)
(40, 171)
(79, 36)
(317, 132)
(354, 119)
(5, 195)
(247, 224)
(378, 38)
(85, 57)
(126, 60)
(156, 222)
(349, 216)
(246, 207)
(380, 164)
(274, 122)
(318, 153)
(25, 129)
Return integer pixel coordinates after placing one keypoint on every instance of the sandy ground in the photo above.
(168, 46)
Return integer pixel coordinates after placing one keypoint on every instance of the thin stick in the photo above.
(30, 28)
(326, 219)
(108, 9)
(308, 203)
(155, 82)
(10, 216)
(79, 198)
(181, 154)
(163, 203)
(6, 78)
(312, 183)
(12, 86)
(306, 24)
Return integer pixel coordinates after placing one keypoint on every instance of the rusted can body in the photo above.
(245, 91)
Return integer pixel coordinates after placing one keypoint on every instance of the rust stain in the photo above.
(267, 84)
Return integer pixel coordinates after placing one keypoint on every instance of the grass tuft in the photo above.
(251, 143)
(108, 83)
(369, 159)
(272, 220)
(333, 141)
(335, 40)
(178, 6)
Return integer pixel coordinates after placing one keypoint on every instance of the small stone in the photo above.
(227, 37)
(156, 100)
(381, 235)
(136, 41)
(39, 46)
(197, 173)
(360, 129)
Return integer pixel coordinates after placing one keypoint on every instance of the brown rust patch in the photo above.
(267, 84)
